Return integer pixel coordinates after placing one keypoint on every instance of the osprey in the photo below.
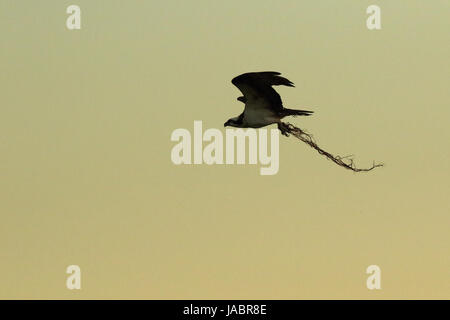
(263, 104)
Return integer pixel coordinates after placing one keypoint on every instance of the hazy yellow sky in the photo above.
(86, 176)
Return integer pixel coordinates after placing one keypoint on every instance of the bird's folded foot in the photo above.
(283, 128)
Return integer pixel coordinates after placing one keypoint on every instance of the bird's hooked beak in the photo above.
(226, 123)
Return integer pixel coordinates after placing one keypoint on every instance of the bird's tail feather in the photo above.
(293, 112)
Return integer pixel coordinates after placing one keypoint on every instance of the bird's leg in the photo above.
(283, 128)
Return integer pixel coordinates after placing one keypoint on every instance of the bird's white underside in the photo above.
(257, 115)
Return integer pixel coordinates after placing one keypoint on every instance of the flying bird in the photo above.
(263, 105)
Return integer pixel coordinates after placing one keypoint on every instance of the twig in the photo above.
(309, 140)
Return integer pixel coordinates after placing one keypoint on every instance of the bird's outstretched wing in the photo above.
(257, 89)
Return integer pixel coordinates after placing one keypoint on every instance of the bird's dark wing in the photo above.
(258, 91)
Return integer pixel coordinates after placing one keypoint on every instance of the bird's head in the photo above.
(233, 122)
(242, 99)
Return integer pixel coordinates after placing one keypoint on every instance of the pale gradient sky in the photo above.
(86, 176)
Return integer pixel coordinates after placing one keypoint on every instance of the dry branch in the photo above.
(309, 140)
